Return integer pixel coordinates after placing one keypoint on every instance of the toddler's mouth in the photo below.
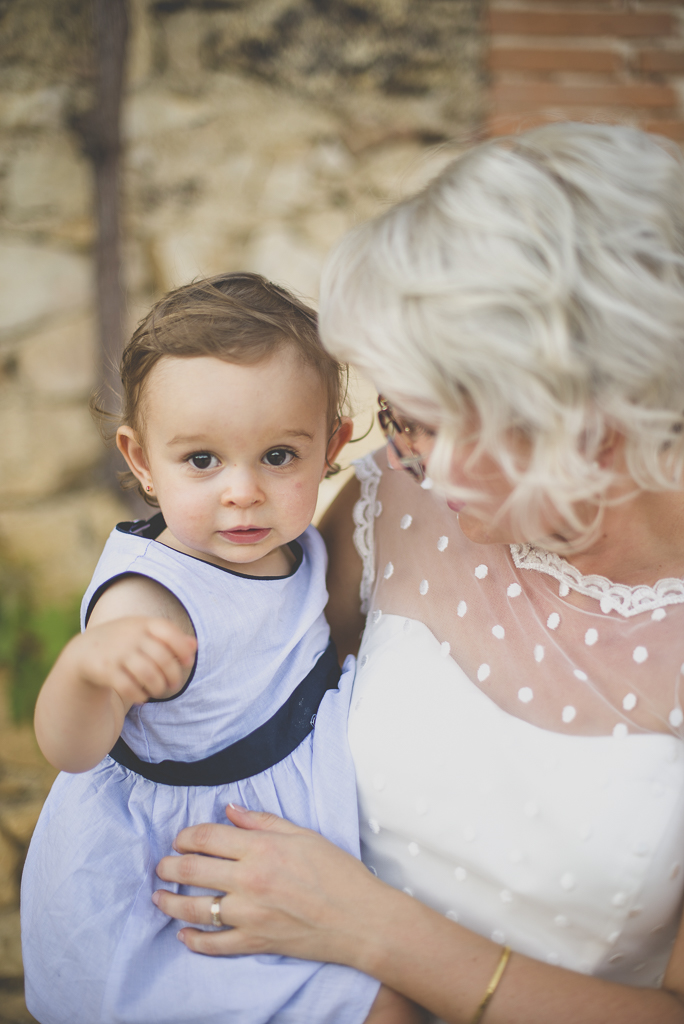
(245, 534)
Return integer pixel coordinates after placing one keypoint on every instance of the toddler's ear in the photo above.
(342, 436)
(129, 445)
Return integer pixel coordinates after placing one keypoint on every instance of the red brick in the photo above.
(671, 129)
(578, 23)
(519, 59)
(661, 60)
(537, 96)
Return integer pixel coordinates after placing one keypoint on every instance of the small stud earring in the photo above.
(149, 487)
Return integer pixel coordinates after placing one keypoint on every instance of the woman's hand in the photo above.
(288, 890)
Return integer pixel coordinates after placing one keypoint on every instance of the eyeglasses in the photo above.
(399, 434)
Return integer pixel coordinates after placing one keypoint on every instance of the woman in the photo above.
(516, 722)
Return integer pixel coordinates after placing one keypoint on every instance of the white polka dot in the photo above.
(531, 809)
(406, 522)
(561, 921)
(525, 694)
(640, 654)
(568, 714)
(659, 614)
(590, 637)
(364, 661)
(379, 782)
(413, 849)
(460, 874)
(553, 620)
(579, 674)
(445, 649)
(483, 672)
(585, 831)
(568, 881)
(563, 589)
(499, 632)
(462, 609)
(615, 957)
(619, 899)
(538, 652)
(358, 704)
(674, 871)
(372, 870)
(452, 915)
(506, 896)
(374, 826)
(552, 958)
(377, 615)
(424, 587)
(389, 569)
(612, 938)
(498, 936)
(620, 731)
(629, 702)
(442, 543)
(676, 717)
(514, 590)
(515, 856)
(469, 834)
(427, 484)
(481, 571)
(409, 892)
(407, 625)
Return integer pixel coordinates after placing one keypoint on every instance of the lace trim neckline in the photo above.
(617, 597)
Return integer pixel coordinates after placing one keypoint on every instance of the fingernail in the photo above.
(180, 936)
(236, 807)
(155, 898)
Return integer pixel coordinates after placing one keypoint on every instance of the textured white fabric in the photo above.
(518, 764)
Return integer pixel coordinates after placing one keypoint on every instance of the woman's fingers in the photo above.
(204, 872)
(226, 943)
(261, 820)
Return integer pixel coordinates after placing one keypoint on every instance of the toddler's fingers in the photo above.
(146, 673)
(182, 646)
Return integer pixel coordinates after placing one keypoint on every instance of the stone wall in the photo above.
(256, 132)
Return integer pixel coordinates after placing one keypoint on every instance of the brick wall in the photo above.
(607, 60)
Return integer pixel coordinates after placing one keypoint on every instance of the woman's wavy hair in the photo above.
(238, 317)
(538, 283)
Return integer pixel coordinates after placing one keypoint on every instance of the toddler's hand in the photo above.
(137, 657)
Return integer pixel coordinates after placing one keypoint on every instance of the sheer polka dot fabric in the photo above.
(562, 651)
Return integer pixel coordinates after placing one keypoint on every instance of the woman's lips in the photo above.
(245, 535)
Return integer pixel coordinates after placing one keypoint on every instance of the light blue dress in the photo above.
(264, 708)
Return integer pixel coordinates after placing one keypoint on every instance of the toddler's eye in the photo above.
(203, 460)
(279, 457)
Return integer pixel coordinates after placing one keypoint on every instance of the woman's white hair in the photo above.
(538, 281)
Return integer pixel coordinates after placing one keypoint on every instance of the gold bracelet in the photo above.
(493, 985)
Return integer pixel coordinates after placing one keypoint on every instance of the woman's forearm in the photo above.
(291, 892)
(447, 968)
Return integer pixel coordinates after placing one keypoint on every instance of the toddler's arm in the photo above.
(391, 1008)
(124, 657)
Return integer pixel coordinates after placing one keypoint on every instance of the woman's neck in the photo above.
(641, 540)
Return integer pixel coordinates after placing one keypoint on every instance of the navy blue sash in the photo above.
(270, 743)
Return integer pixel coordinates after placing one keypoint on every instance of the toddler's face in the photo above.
(234, 455)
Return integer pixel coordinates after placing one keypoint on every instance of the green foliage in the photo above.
(31, 637)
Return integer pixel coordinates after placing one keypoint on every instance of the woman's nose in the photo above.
(241, 488)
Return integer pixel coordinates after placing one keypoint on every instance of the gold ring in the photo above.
(216, 912)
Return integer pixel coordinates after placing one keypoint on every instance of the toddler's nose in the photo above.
(241, 488)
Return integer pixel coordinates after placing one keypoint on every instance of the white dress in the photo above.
(516, 731)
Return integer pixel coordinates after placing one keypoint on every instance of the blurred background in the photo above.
(148, 142)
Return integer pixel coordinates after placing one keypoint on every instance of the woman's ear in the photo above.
(129, 445)
(341, 437)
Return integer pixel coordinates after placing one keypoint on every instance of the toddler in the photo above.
(204, 674)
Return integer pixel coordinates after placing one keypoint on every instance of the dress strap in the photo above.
(366, 510)
(266, 746)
